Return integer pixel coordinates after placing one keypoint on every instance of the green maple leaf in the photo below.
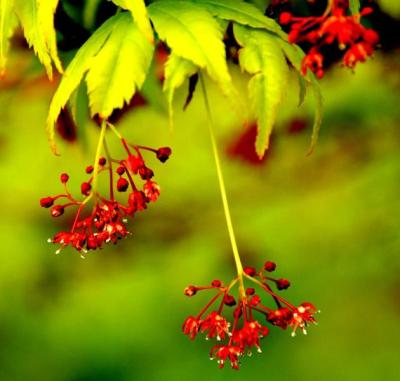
(262, 57)
(37, 20)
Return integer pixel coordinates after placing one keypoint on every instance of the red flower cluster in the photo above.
(244, 333)
(357, 41)
(106, 221)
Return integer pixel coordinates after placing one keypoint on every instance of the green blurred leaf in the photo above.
(262, 57)
(391, 7)
(8, 22)
(37, 20)
(139, 13)
(119, 68)
(354, 6)
(89, 13)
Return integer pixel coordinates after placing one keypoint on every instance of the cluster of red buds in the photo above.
(335, 24)
(106, 220)
(244, 333)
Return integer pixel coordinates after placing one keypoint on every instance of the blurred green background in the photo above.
(330, 221)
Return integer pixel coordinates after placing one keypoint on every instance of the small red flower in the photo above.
(249, 336)
(151, 190)
(302, 315)
(351, 36)
(226, 352)
(215, 325)
(107, 220)
(243, 331)
(191, 327)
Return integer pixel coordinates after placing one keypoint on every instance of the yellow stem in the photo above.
(236, 256)
(113, 129)
(97, 157)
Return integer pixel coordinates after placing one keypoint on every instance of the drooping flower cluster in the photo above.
(243, 332)
(335, 25)
(106, 219)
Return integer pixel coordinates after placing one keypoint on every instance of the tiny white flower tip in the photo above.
(49, 240)
(293, 334)
(58, 251)
(259, 350)
(83, 257)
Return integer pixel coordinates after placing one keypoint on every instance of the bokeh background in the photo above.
(330, 221)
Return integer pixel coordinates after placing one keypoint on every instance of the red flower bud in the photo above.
(102, 161)
(216, 283)
(251, 271)
(46, 202)
(282, 284)
(85, 189)
(57, 210)
(64, 178)
(145, 173)
(190, 291)
(89, 169)
(229, 300)
(122, 184)
(250, 291)
(285, 18)
(255, 301)
(163, 154)
(269, 266)
(121, 170)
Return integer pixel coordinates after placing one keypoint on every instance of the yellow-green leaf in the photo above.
(37, 20)
(119, 68)
(139, 14)
(8, 22)
(240, 12)
(262, 57)
(192, 33)
(74, 73)
(177, 69)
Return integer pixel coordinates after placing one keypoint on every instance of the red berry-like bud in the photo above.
(85, 189)
(285, 18)
(282, 284)
(250, 291)
(146, 173)
(46, 202)
(251, 271)
(91, 242)
(216, 283)
(190, 291)
(163, 154)
(57, 210)
(89, 169)
(102, 161)
(255, 301)
(367, 11)
(229, 300)
(237, 313)
(122, 184)
(64, 178)
(121, 170)
(269, 266)
(371, 37)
